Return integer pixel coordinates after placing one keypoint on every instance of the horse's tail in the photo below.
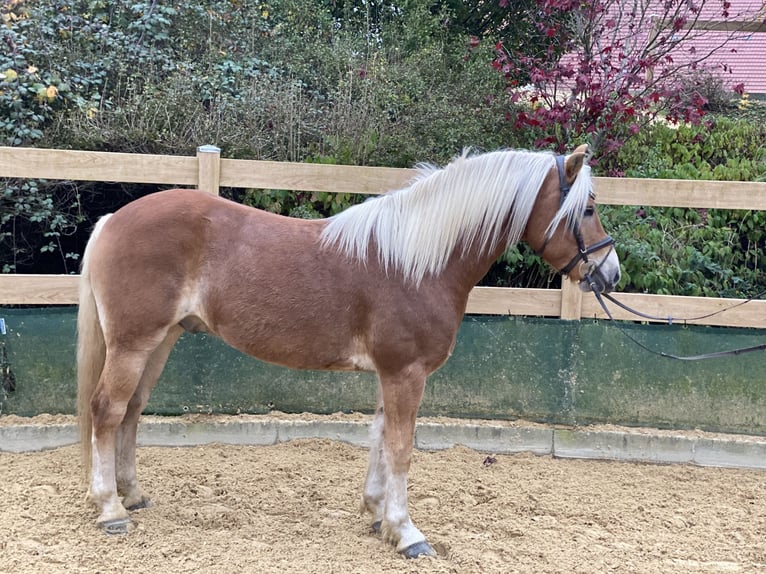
(91, 349)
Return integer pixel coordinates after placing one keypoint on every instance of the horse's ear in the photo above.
(581, 149)
(575, 162)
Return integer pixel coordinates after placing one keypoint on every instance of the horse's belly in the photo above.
(322, 352)
(305, 359)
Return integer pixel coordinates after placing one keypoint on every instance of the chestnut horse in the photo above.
(379, 287)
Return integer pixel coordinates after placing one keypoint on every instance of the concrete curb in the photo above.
(634, 445)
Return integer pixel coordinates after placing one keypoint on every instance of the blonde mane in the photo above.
(416, 229)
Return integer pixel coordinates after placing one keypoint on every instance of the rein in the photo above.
(716, 355)
(670, 319)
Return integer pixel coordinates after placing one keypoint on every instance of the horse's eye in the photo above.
(589, 211)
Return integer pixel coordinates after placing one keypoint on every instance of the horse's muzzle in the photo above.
(599, 282)
(600, 276)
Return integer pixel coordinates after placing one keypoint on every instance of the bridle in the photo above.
(581, 257)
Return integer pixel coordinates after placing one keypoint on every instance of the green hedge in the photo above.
(694, 251)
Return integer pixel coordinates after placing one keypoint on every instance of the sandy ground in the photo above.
(293, 507)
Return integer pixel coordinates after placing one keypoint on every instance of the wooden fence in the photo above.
(208, 171)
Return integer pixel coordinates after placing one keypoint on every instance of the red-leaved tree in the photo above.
(610, 67)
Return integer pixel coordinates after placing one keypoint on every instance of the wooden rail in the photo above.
(208, 171)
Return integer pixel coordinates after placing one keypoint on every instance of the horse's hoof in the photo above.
(143, 503)
(418, 549)
(116, 526)
(376, 526)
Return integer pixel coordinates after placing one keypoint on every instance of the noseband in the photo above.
(582, 250)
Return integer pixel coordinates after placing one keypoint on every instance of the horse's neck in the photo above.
(468, 266)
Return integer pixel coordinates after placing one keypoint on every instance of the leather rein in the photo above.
(715, 355)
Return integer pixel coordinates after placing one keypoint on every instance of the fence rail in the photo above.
(208, 171)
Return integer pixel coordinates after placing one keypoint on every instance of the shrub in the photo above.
(693, 251)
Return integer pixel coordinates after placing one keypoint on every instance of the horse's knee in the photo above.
(399, 456)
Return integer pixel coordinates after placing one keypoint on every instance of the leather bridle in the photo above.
(583, 251)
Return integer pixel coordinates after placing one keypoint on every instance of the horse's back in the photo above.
(183, 231)
(150, 248)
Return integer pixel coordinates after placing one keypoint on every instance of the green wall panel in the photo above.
(547, 370)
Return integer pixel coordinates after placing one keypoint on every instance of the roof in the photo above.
(736, 43)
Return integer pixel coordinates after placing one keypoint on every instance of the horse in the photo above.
(382, 286)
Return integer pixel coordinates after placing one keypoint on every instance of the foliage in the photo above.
(608, 76)
(30, 95)
(690, 252)
(693, 251)
(608, 70)
(720, 149)
(283, 80)
(513, 23)
(677, 251)
(45, 213)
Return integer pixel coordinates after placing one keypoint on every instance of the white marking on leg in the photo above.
(98, 484)
(397, 525)
(103, 491)
(375, 483)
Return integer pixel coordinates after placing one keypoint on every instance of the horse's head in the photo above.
(564, 227)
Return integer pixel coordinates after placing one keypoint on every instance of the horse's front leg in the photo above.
(401, 395)
(374, 497)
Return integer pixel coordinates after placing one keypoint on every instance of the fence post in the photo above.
(208, 168)
(571, 300)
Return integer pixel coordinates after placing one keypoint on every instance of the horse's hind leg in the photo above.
(401, 394)
(127, 481)
(119, 380)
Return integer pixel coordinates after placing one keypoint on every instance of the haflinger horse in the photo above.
(380, 287)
